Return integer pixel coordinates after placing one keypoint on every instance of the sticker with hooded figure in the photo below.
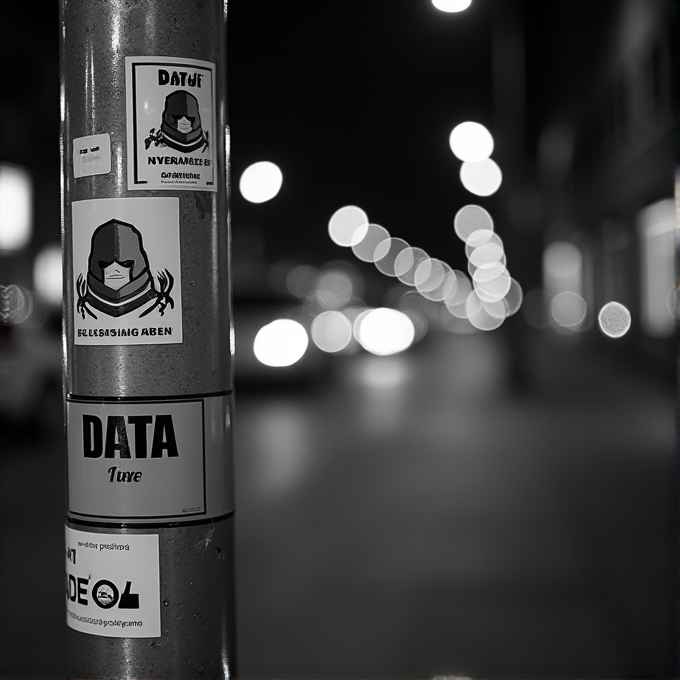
(118, 280)
(181, 127)
(126, 268)
(170, 122)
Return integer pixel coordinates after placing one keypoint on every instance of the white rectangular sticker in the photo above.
(131, 461)
(170, 109)
(126, 271)
(113, 584)
(92, 155)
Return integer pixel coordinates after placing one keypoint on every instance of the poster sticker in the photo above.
(170, 108)
(126, 270)
(132, 461)
(92, 155)
(113, 584)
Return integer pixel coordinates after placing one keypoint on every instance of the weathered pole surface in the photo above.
(147, 325)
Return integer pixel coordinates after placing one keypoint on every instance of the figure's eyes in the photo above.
(125, 263)
(189, 118)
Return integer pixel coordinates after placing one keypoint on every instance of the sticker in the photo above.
(170, 108)
(113, 584)
(126, 271)
(149, 460)
(92, 155)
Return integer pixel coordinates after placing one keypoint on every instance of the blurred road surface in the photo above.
(413, 517)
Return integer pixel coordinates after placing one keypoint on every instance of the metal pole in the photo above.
(147, 326)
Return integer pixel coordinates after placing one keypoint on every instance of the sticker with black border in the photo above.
(126, 271)
(149, 460)
(170, 109)
(113, 584)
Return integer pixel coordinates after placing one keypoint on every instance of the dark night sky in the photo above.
(354, 100)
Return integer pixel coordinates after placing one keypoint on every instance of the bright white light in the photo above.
(15, 207)
(348, 226)
(471, 142)
(331, 331)
(469, 219)
(482, 178)
(280, 343)
(47, 274)
(614, 319)
(260, 182)
(451, 5)
(385, 331)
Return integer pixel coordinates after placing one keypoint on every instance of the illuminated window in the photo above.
(657, 267)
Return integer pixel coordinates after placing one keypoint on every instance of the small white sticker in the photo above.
(113, 584)
(126, 271)
(170, 109)
(92, 155)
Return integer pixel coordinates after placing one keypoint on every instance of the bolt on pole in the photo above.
(147, 339)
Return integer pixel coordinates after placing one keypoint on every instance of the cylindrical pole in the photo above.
(147, 326)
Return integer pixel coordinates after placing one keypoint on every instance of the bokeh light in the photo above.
(451, 5)
(16, 207)
(386, 255)
(435, 280)
(384, 331)
(348, 226)
(261, 181)
(471, 142)
(280, 343)
(47, 274)
(373, 236)
(486, 254)
(331, 331)
(479, 316)
(568, 310)
(334, 289)
(302, 280)
(614, 319)
(513, 298)
(460, 293)
(406, 264)
(481, 178)
(471, 218)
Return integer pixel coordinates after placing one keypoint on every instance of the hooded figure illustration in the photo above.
(181, 125)
(118, 278)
